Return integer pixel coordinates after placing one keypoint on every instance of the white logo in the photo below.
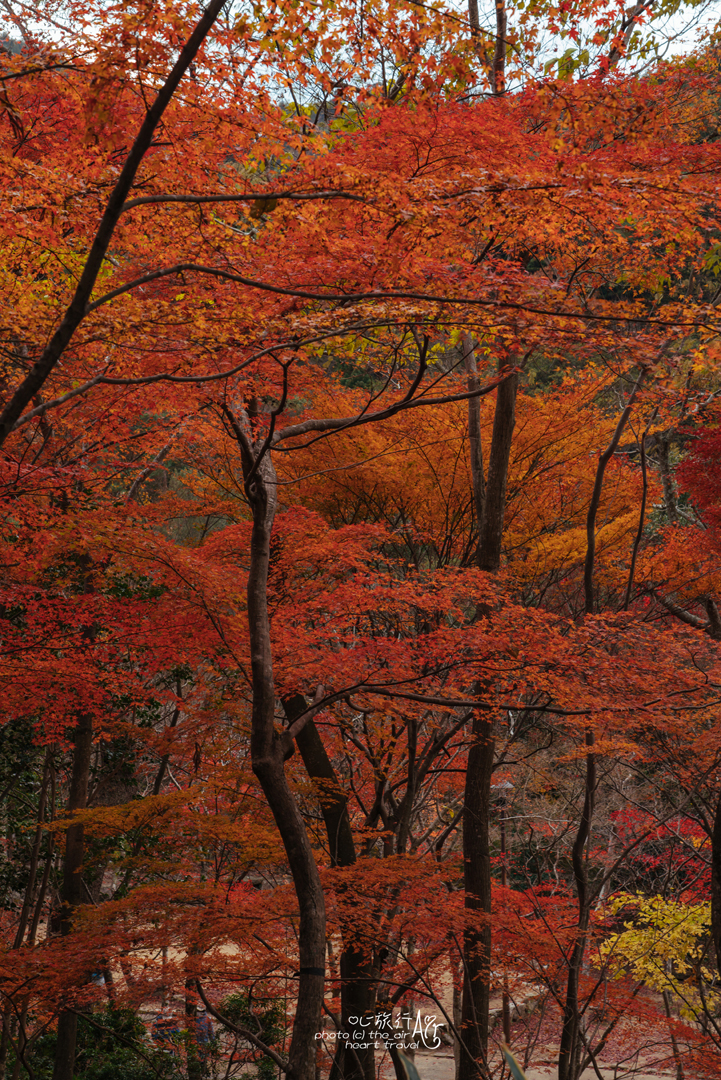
(381, 1027)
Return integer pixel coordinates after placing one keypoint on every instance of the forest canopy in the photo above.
(360, 525)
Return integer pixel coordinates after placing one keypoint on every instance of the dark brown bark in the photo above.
(630, 21)
(569, 1055)
(77, 309)
(331, 797)
(642, 513)
(716, 882)
(49, 855)
(72, 888)
(490, 503)
(478, 481)
(355, 968)
(476, 36)
(710, 626)
(603, 461)
(674, 1042)
(504, 420)
(22, 1043)
(194, 1062)
(163, 766)
(269, 748)
(34, 857)
(477, 880)
(663, 447)
(572, 1037)
(39, 901)
(5, 1037)
(498, 73)
(713, 629)
(48, 785)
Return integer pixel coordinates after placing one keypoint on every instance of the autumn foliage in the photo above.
(360, 527)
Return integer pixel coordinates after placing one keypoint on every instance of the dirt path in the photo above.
(439, 1066)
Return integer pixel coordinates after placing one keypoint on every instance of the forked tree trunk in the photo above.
(269, 748)
(355, 968)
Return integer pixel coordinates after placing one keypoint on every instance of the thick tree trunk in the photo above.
(490, 504)
(268, 749)
(491, 532)
(194, 1062)
(355, 969)
(331, 797)
(474, 432)
(498, 73)
(477, 879)
(72, 889)
(663, 445)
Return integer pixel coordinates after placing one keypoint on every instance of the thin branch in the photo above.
(157, 460)
(77, 309)
(603, 461)
(342, 423)
(55, 402)
(642, 514)
(294, 196)
(379, 294)
(227, 373)
(242, 1031)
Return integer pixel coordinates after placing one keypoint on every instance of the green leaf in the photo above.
(410, 1070)
(516, 1071)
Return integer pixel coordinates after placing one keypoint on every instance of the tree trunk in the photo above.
(28, 901)
(663, 444)
(193, 1058)
(72, 888)
(595, 502)
(269, 749)
(49, 857)
(716, 883)
(490, 503)
(569, 1055)
(331, 797)
(477, 879)
(504, 420)
(116, 203)
(34, 857)
(355, 968)
(498, 73)
(474, 431)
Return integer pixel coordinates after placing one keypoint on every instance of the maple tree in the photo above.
(246, 511)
